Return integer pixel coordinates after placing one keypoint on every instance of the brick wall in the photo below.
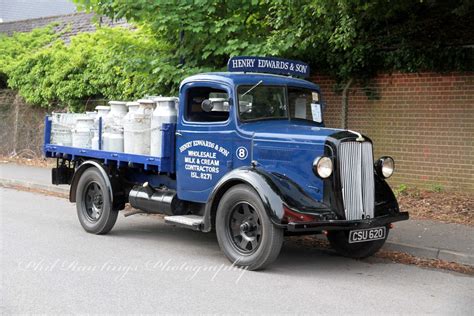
(424, 121)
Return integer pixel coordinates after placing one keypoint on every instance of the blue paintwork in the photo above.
(268, 65)
(289, 148)
(222, 134)
(234, 79)
(282, 146)
(47, 130)
(121, 159)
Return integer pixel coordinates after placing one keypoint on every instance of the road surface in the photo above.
(50, 265)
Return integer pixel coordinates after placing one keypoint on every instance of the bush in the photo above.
(111, 63)
(436, 187)
(14, 48)
(400, 190)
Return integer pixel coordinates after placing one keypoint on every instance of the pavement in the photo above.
(50, 265)
(434, 240)
(29, 177)
(421, 238)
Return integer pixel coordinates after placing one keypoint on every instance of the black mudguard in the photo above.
(80, 170)
(385, 201)
(275, 190)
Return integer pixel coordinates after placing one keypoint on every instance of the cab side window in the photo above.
(218, 98)
(300, 103)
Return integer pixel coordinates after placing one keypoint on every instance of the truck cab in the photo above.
(250, 118)
(251, 159)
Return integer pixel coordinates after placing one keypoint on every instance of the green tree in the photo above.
(345, 38)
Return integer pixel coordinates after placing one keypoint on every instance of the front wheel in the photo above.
(94, 206)
(244, 232)
(339, 241)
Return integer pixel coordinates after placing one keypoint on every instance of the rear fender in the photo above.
(80, 170)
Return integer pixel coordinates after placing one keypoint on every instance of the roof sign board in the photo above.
(268, 65)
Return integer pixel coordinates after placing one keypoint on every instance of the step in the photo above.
(193, 222)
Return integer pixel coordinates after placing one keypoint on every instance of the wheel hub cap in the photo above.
(245, 228)
(93, 202)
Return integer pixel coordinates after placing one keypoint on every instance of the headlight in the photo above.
(322, 167)
(385, 166)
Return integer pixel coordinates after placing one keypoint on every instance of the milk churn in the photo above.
(102, 111)
(129, 127)
(82, 132)
(91, 114)
(60, 130)
(165, 112)
(113, 126)
(141, 127)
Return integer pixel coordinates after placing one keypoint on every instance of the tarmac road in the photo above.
(50, 265)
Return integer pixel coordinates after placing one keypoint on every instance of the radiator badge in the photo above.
(359, 136)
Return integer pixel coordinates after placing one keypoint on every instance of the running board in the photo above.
(193, 222)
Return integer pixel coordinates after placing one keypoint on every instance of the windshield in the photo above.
(278, 102)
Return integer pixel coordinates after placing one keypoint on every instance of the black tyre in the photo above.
(93, 203)
(339, 241)
(244, 232)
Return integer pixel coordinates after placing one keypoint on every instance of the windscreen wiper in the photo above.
(256, 85)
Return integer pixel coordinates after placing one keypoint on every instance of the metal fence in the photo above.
(22, 125)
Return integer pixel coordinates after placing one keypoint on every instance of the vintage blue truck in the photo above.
(255, 169)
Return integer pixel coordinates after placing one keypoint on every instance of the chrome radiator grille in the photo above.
(356, 166)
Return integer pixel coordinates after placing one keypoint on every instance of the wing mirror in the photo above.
(207, 105)
(215, 104)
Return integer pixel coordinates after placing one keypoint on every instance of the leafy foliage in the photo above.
(401, 190)
(12, 48)
(436, 187)
(114, 63)
(346, 38)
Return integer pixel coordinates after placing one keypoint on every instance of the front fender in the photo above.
(275, 191)
(385, 201)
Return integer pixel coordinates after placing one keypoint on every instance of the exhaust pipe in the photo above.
(151, 200)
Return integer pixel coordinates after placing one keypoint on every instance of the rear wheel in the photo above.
(94, 206)
(244, 232)
(339, 241)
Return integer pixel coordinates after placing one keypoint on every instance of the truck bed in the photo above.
(159, 164)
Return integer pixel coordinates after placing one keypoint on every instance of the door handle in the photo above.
(178, 134)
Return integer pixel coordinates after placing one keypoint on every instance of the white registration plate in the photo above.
(362, 235)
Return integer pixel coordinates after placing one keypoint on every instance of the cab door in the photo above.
(203, 139)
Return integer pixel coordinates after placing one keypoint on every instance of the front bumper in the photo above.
(318, 226)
